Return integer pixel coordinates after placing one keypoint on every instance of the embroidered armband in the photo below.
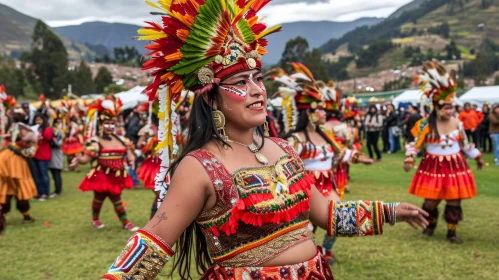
(359, 218)
(144, 257)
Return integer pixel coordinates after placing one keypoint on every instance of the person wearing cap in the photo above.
(443, 173)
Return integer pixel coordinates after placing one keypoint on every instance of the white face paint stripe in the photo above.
(239, 92)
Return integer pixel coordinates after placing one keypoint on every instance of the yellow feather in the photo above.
(151, 37)
(224, 5)
(268, 31)
(156, 6)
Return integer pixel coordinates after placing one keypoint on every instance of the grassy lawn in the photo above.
(61, 244)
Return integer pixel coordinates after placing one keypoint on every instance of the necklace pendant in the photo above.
(261, 158)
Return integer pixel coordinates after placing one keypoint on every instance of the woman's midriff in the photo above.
(299, 253)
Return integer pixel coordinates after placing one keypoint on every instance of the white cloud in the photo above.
(65, 12)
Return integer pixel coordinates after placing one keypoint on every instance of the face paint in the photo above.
(238, 93)
(241, 91)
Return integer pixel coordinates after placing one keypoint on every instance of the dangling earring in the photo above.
(266, 129)
(219, 119)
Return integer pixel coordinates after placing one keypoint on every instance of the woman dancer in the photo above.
(246, 199)
(16, 180)
(443, 174)
(108, 177)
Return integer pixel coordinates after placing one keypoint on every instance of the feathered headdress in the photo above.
(298, 91)
(7, 101)
(332, 97)
(439, 86)
(351, 107)
(308, 95)
(108, 108)
(198, 44)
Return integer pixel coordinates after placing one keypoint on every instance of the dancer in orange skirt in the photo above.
(108, 177)
(443, 174)
(16, 180)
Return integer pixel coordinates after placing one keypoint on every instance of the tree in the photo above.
(295, 51)
(313, 60)
(83, 83)
(114, 88)
(13, 78)
(453, 51)
(103, 79)
(49, 62)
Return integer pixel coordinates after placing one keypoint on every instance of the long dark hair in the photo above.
(301, 126)
(45, 123)
(201, 130)
(432, 120)
(375, 112)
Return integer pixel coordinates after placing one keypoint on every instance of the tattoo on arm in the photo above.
(161, 217)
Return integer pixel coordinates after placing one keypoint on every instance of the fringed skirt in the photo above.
(15, 177)
(148, 170)
(101, 179)
(72, 146)
(315, 268)
(443, 177)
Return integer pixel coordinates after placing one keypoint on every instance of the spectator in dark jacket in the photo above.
(374, 126)
(41, 160)
(413, 118)
(485, 141)
(132, 127)
(392, 122)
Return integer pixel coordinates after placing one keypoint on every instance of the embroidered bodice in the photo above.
(260, 211)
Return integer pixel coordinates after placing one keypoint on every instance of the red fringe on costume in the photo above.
(148, 170)
(99, 181)
(443, 177)
(72, 146)
(341, 175)
(241, 213)
(325, 182)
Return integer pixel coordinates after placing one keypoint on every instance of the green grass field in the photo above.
(61, 244)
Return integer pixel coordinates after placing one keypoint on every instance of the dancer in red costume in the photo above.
(108, 176)
(443, 173)
(242, 199)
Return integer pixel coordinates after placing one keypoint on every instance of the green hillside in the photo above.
(16, 30)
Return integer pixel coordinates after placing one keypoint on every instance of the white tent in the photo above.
(480, 95)
(132, 97)
(415, 97)
(412, 96)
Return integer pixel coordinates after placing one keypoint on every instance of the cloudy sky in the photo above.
(68, 12)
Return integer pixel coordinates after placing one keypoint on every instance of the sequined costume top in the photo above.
(260, 211)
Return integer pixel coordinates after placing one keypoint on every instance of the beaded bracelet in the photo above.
(390, 213)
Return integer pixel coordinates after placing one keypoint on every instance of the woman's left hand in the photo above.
(413, 215)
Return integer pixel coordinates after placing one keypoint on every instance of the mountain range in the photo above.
(92, 39)
(113, 35)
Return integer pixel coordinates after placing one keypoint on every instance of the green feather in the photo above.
(245, 30)
(190, 66)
